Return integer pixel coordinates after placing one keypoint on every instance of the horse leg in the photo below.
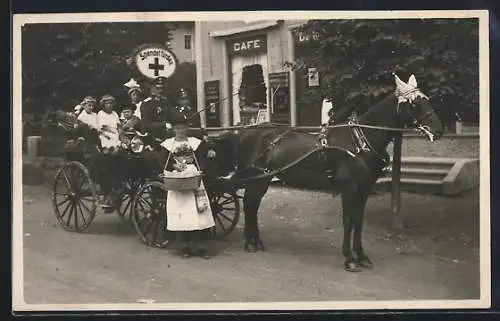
(362, 258)
(350, 199)
(252, 199)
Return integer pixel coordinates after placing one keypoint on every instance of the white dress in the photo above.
(182, 211)
(110, 120)
(89, 119)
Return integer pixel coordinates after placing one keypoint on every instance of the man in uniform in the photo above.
(155, 109)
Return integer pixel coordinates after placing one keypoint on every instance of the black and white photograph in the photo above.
(270, 160)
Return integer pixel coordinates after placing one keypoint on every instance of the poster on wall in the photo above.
(262, 116)
(212, 100)
(313, 77)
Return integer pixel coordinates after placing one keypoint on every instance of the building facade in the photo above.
(182, 42)
(242, 73)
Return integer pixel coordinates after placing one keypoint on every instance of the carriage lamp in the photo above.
(136, 145)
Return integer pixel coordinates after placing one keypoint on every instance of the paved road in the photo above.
(302, 231)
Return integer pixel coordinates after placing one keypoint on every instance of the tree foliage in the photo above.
(356, 59)
(62, 63)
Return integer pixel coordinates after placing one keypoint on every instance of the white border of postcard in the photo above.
(17, 247)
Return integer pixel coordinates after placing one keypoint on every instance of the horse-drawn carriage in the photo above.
(350, 156)
(138, 188)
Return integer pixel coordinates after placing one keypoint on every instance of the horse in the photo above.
(350, 156)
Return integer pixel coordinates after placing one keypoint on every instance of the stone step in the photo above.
(422, 186)
(423, 173)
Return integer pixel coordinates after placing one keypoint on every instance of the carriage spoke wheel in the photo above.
(125, 207)
(226, 212)
(74, 197)
(150, 215)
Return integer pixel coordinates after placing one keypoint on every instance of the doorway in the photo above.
(249, 87)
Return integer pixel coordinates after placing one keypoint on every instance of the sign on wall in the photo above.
(303, 37)
(155, 60)
(261, 116)
(278, 79)
(247, 46)
(212, 100)
(313, 77)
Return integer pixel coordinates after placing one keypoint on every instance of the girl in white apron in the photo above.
(108, 122)
(188, 212)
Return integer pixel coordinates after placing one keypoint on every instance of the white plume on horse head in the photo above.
(401, 86)
(412, 81)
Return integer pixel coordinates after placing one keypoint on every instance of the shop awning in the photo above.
(253, 27)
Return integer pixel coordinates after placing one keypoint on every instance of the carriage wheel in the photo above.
(150, 215)
(125, 207)
(74, 197)
(226, 212)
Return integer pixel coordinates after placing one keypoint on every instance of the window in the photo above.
(187, 42)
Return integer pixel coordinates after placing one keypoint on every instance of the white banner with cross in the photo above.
(154, 61)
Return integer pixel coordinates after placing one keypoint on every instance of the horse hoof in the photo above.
(366, 263)
(352, 267)
(249, 249)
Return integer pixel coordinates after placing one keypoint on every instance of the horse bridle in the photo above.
(409, 96)
(363, 144)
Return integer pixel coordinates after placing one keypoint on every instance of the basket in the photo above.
(181, 181)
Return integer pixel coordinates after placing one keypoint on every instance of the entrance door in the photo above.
(239, 102)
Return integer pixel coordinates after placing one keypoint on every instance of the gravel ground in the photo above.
(436, 258)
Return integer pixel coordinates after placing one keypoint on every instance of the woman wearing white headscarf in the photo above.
(135, 93)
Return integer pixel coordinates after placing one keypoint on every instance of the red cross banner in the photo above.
(155, 60)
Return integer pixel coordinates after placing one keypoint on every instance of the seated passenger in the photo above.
(108, 122)
(88, 116)
(129, 124)
(130, 121)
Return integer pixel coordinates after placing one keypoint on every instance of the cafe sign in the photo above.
(248, 46)
(155, 60)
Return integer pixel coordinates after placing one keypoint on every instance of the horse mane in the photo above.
(389, 98)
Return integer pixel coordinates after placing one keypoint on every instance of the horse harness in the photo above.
(362, 144)
(268, 148)
(321, 146)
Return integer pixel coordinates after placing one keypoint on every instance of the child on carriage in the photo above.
(108, 122)
(129, 120)
(188, 212)
(129, 124)
(88, 116)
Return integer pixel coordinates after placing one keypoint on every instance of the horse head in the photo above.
(415, 110)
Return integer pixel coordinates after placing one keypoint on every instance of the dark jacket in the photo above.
(155, 115)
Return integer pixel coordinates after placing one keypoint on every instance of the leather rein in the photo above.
(362, 144)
